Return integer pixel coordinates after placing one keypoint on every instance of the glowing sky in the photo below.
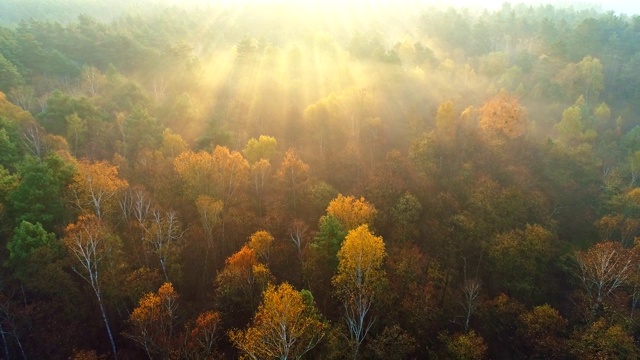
(629, 7)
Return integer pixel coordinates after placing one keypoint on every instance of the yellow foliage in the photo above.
(218, 174)
(284, 327)
(260, 242)
(95, 186)
(361, 257)
(351, 212)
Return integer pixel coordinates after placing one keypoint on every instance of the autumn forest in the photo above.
(280, 180)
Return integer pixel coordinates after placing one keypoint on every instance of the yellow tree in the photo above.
(294, 175)
(153, 320)
(196, 170)
(89, 242)
(230, 172)
(95, 187)
(503, 115)
(263, 148)
(286, 326)
(351, 212)
(260, 242)
(359, 280)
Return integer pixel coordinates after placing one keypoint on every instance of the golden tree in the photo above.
(503, 115)
(359, 280)
(95, 187)
(153, 320)
(286, 326)
(351, 212)
(260, 242)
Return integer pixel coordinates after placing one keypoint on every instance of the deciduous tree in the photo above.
(286, 326)
(503, 115)
(351, 212)
(95, 187)
(153, 321)
(359, 280)
(89, 242)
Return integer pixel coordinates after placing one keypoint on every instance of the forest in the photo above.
(302, 181)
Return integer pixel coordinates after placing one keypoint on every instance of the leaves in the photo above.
(284, 327)
(351, 212)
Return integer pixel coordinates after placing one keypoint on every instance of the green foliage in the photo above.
(38, 198)
(9, 75)
(9, 143)
(521, 262)
(27, 239)
(263, 148)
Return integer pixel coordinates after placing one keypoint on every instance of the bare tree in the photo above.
(297, 231)
(471, 290)
(33, 139)
(604, 268)
(90, 244)
(163, 233)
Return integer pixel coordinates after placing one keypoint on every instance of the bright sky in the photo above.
(629, 7)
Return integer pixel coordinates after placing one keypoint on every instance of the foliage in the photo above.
(359, 280)
(285, 326)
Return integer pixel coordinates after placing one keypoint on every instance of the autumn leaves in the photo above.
(287, 324)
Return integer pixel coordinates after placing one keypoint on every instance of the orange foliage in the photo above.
(503, 115)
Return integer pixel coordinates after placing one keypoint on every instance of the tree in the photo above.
(286, 326)
(503, 115)
(603, 268)
(542, 330)
(76, 131)
(26, 240)
(520, 262)
(210, 211)
(260, 174)
(359, 280)
(294, 175)
(260, 242)
(163, 233)
(470, 290)
(351, 212)
(38, 196)
(153, 321)
(470, 346)
(603, 341)
(89, 242)
(261, 149)
(240, 284)
(570, 128)
(9, 75)
(204, 334)
(591, 74)
(96, 186)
